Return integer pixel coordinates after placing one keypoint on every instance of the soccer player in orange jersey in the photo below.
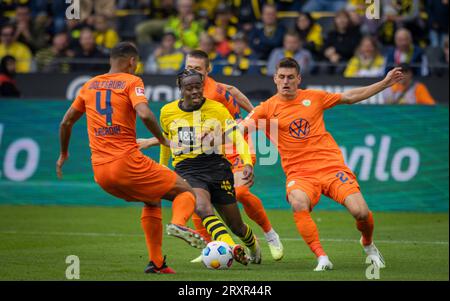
(233, 100)
(111, 102)
(311, 159)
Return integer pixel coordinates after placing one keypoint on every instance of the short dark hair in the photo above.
(200, 54)
(405, 67)
(124, 50)
(186, 73)
(288, 62)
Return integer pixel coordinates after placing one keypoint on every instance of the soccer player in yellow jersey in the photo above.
(198, 128)
(234, 100)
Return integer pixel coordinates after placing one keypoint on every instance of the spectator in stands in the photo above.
(89, 8)
(222, 19)
(341, 42)
(8, 87)
(437, 11)
(408, 91)
(292, 47)
(186, 29)
(324, 5)
(207, 8)
(28, 31)
(152, 29)
(310, 33)
(105, 36)
(207, 44)
(55, 59)
(223, 44)
(241, 60)
(268, 34)
(407, 14)
(248, 13)
(388, 27)
(88, 57)
(367, 61)
(166, 59)
(20, 51)
(406, 52)
(358, 10)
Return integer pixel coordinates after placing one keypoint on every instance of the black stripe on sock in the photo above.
(215, 227)
(212, 219)
(218, 234)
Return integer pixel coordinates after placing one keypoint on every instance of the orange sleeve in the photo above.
(220, 91)
(423, 96)
(258, 113)
(136, 92)
(330, 99)
(78, 104)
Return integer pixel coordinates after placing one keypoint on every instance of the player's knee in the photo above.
(361, 214)
(299, 204)
(203, 210)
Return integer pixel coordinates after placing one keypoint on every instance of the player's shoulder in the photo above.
(213, 104)
(214, 85)
(171, 107)
(311, 93)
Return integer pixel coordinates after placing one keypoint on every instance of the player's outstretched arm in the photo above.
(65, 131)
(240, 97)
(149, 120)
(359, 94)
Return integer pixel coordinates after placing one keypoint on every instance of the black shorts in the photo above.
(211, 173)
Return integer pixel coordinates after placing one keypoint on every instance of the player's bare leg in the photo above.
(183, 206)
(215, 226)
(231, 215)
(301, 205)
(254, 209)
(358, 208)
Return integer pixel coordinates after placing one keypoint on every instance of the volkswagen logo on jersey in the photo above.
(299, 128)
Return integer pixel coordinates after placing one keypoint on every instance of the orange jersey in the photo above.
(109, 102)
(303, 142)
(218, 92)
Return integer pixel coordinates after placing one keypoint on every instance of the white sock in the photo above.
(322, 258)
(271, 234)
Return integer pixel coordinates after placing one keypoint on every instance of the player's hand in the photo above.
(59, 164)
(394, 76)
(248, 175)
(165, 142)
(147, 143)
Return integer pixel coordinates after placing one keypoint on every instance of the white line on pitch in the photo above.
(419, 242)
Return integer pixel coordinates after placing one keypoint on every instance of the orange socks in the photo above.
(198, 224)
(182, 208)
(151, 224)
(253, 207)
(308, 230)
(366, 229)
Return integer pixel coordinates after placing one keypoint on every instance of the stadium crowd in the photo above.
(240, 36)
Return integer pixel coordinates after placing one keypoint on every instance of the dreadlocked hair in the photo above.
(186, 73)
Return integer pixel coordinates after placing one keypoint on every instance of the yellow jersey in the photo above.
(186, 131)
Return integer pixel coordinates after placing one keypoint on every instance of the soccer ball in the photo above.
(217, 255)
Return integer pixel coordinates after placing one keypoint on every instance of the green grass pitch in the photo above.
(35, 241)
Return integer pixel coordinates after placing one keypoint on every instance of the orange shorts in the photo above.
(135, 178)
(237, 164)
(334, 182)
